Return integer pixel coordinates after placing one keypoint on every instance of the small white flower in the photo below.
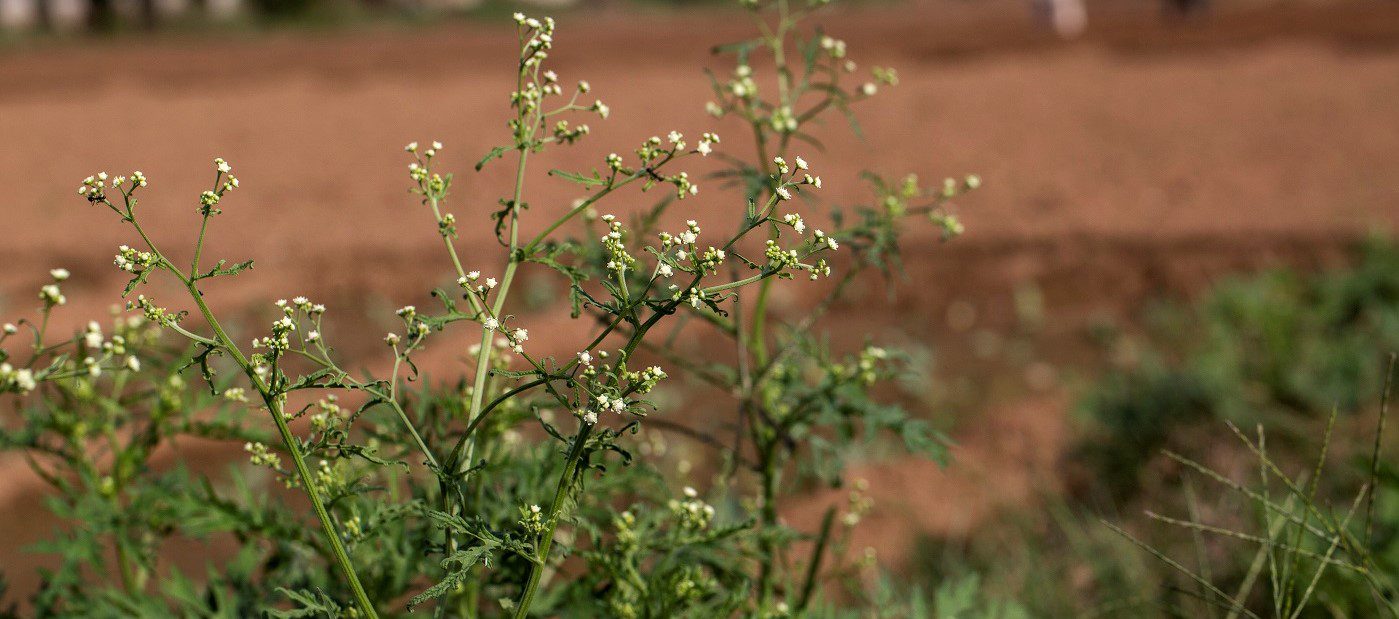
(52, 295)
(10, 328)
(783, 193)
(312, 336)
(391, 339)
(491, 324)
(24, 379)
(704, 149)
(521, 334)
(585, 358)
(133, 364)
(92, 338)
(59, 274)
(490, 282)
(665, 270)
(801, 164)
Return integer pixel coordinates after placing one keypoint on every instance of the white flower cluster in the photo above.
(618, 260)
(694, 296)
(866, 366)
(151, 311)
(260, 455)
(646, 380)
(92, 336)
(834, 48)
(282, 328)
(742, 85)
(686, 249)
(132, 260)
(93, 342)
(654, 152)
(693, 513)
(784, 120)
(541, 38)
(604, 402)
(52, 295)
(20, 380)
(328, 479)
(858, 504)
(532, 519)
(327, 415)
(415, 326)
(795, 221)
(431, 152)
(707, 142)
(431, 185)
(514, 339)
(482, 287)
(224, 182)
(92, 366)
(95, 187)
(568, 134)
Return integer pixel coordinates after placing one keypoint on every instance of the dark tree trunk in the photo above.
(149, 18)
(43, 15)
(101, 16)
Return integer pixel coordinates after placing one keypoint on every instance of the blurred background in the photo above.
(1185, 219)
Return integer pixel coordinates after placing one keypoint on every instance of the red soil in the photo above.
(1148, 158)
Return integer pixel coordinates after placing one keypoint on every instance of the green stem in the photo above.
(814, 568)
(547, 541)
(483, 360)
(770, 472)
(739, 283)
(342, 558)
(758, 336)
(293, 447)
(199, 246)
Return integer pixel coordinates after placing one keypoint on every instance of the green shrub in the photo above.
(1277, 348)
(513, 488)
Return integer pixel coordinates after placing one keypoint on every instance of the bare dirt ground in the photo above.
(1149, 158)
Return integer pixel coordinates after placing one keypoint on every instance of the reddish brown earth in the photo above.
(1150, 158)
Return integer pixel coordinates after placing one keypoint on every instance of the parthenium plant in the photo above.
(444, 498)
